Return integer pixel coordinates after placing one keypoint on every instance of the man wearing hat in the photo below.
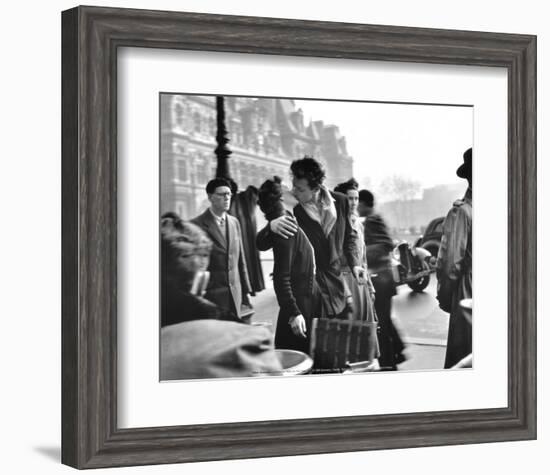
(454, 269)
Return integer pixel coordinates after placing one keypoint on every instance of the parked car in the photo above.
(431, 239)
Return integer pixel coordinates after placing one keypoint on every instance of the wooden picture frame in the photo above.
(90, 38)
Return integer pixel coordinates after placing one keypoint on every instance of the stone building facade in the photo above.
(265, 135)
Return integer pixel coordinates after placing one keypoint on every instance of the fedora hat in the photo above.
(465, 170)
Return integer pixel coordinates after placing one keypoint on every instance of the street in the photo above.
(423, 325)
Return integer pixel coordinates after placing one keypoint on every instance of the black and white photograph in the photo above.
(305, 236)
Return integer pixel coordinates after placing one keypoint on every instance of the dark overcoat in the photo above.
(228, 273)
(454, 273)
(179, 306)
(243, 207)
(342, 239)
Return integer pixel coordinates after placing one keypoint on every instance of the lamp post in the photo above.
(222, 150)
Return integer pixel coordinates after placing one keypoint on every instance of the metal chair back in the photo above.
(335, 344)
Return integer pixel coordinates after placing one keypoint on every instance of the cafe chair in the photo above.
(344, 346)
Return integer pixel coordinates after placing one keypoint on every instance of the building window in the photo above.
(201, 173)
(184, 208)
(182, 171)
(205, 169)
(180, 112)
(180, 210)
(197, 119)
(212, 126)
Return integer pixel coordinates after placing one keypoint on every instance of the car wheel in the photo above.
(419, 285)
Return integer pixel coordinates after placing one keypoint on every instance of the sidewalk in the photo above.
(423, 357)
(422, 354)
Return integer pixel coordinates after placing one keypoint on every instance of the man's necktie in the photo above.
(221, 222)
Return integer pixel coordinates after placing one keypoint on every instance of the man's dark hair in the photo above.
(366, 197)
(310, 169)
(351, 184)
(215, 183)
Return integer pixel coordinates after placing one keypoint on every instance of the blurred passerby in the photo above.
(454, 269)
(379, 246)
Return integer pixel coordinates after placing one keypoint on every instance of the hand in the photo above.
(349, 305)
(298, 325)
(360, 274)
(285, 226)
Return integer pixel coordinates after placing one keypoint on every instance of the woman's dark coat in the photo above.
(295, 287)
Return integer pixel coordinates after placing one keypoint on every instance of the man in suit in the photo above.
(229, 285)
(324, 218)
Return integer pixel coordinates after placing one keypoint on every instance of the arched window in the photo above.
(179, 115)
(202, 170)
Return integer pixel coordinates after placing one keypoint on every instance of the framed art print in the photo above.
(192, 330)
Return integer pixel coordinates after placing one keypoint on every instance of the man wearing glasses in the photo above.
(229, 285)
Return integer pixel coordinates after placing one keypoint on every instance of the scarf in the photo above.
(322, 210)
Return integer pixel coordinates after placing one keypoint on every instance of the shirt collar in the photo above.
(218, 219)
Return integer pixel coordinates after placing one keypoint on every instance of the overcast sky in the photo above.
(423, 142)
